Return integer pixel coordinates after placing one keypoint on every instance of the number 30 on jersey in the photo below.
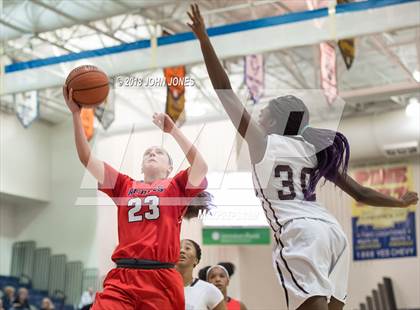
(135, 205)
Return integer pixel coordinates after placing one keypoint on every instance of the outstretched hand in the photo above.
(68, 97)
(409, 198)
(197, 24)
(164, 122)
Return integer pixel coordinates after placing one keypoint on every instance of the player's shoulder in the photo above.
(279, 139)
(290, 144)
(179, 178)
(207, 286)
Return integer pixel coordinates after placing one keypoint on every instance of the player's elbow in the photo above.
(198, 173)
(84, 159)
(203, 169)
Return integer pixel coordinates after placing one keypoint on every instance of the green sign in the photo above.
(235, 236)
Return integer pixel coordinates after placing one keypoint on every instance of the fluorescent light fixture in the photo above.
(413, 108)
(416, 75)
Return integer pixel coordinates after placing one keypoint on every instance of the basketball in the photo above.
(90, 85)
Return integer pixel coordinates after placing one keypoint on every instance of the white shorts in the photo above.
(311, 259)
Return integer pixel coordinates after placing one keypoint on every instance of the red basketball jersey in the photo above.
(233, 304)
(149, 215)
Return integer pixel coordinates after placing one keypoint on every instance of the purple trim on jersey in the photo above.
(266, 200)
(278, 240)
(287, 266)
(282, 284)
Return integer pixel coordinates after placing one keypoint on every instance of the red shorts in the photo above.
(141, 289)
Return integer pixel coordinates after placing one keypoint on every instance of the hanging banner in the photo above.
(254, 76)
(381, 232)
(328, 71)
(27, 107)
(105, 113)
(88, 117)
(347, 50)
(347, 46)
(175, 95)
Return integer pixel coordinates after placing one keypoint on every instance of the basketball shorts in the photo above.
(141, 289)
(311, 257)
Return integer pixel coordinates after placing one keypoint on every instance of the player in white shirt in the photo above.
(199, 295)
(289, 158)
(220, 275)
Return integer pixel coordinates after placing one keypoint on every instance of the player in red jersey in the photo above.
(149, 220)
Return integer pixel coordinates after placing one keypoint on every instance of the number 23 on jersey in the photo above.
(136, 204)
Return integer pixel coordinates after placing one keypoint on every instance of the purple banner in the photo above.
(254, 76)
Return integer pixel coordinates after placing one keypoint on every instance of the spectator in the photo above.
(9, 297)
(219, 275)
(22, 301)
(47, 304)
(199, 294)
(87, 299)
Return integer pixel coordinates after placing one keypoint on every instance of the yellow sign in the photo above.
(393, 180)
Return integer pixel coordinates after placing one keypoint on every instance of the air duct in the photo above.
(386, 135)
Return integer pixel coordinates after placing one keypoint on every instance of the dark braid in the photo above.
(202, 273)
(200, 205)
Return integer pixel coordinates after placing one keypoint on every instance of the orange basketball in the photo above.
(90, 85)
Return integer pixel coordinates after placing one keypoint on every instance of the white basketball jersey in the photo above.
(282, 177)
(201, 295)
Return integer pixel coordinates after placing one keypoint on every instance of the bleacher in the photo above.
(35, 296)
(48, 275)
(382, 298)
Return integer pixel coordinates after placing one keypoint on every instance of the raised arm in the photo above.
(241, 119)
(371, 197)
(94, 165)
(198, 165)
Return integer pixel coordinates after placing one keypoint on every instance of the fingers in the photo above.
(157, 123)
(410, 198)
(190, 16)
(412, 195)
(71, 95)
(158, 115)
(198, 10)
(158, 119)
(192, 7)
(414, 198)
(195, 16)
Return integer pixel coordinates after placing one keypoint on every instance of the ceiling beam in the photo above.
(375, 93)
(25, 31)
(74, 19)
(382, 48)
